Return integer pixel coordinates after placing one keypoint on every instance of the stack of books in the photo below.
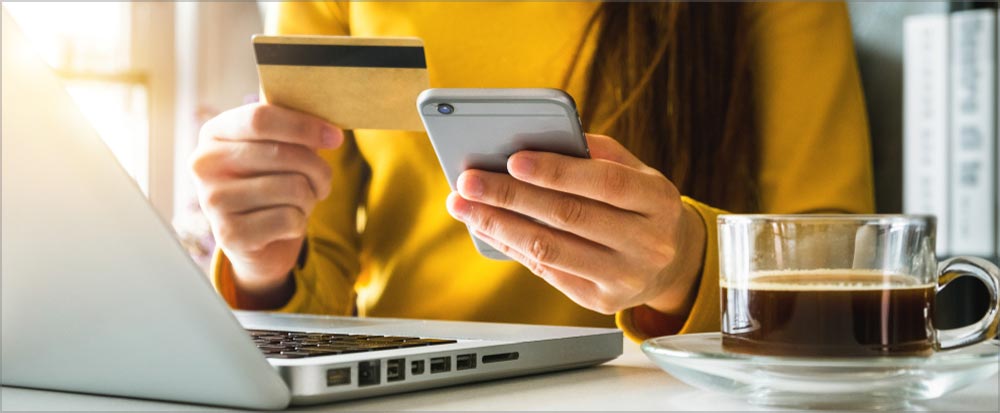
(951, 112)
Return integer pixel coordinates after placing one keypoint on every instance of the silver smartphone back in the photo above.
(481, 128)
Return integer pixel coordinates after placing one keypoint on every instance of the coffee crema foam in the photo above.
(827, 280)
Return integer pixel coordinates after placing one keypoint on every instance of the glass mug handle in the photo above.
(986, 327)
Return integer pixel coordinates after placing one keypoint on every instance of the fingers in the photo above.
(259, 139)
(221, 160)
(234, 197)
(549, 247)
(603, 230)
(258, 177)
(580, 290)
(253, 231)
(609, 182)
(583, 217)
(263, 122)
(607, 148)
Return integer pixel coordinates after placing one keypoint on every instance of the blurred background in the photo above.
(148, 74)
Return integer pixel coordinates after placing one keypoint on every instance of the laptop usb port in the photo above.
(369, 373)
(465, 362)
(440, 364)
(395, 370)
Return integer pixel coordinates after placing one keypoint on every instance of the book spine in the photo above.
(925, 129)
(973, 81)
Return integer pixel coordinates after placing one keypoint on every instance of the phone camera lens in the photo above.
(445, 109)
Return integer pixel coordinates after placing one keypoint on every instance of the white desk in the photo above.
(631, 382)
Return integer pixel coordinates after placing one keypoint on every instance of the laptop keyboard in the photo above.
(296, 344)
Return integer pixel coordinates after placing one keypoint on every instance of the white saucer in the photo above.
(838, 383)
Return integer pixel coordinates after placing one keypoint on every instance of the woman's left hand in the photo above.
(609, 232)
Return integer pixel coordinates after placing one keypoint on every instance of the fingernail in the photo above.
(521, 164)
(331, 136)
(459, 209)
(471, 186)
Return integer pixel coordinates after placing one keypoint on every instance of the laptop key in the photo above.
(355, 350)
(344, 349)
(271, 338)
(377, 345)
(295, 353)
(430, 341)
(264, 332)
(297, 344)
(434, 341)
(315, 351)
(407, 344)
(284, 356)
(381, 341)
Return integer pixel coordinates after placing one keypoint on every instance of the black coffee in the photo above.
(828, 313)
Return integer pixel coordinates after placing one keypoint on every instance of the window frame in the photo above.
(152, 54)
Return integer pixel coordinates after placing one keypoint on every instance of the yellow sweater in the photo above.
(410, 259)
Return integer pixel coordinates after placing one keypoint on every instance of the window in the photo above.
(88, 45)
(147, 75)
(108, 55)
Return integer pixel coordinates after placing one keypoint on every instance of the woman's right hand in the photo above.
(258, 177)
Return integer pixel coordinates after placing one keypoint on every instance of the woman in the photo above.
(746, 107)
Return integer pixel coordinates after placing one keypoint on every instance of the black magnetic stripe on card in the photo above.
(402, 57)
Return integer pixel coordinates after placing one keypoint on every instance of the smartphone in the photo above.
(481, 128)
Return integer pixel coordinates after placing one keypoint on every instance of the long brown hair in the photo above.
(677, 77)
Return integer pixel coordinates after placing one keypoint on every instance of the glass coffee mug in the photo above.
(840, 286)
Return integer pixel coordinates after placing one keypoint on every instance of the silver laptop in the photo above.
(99, 297)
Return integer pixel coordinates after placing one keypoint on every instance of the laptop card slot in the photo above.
(501, 357)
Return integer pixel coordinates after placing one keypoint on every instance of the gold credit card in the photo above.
(352, 82)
